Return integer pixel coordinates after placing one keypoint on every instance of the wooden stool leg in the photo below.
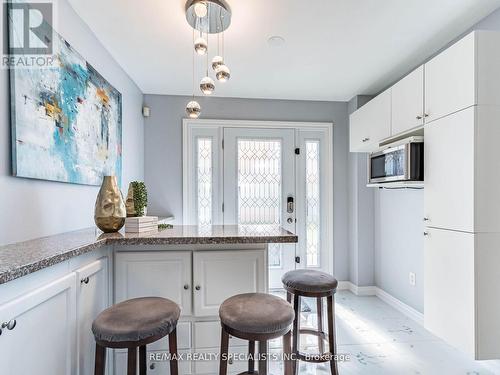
(331, 334)
(172, 348)
(100, 360)
(224, 348)
(319, 307)
(251, 355)
(287, 353)
(263, 357)
(132, 361)
(296, 327)
(142, 360)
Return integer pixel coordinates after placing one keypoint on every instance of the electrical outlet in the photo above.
(412, 278)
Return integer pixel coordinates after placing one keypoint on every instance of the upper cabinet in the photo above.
(464, 75)
(371, 123)
(450, 79)
(408, 102)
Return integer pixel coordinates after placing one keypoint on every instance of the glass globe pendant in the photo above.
(217, 61)
(200, 46)
(193, 109)
(222, 73)
(207, 85)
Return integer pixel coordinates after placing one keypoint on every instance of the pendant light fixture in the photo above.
(208, 17)
(193, 108)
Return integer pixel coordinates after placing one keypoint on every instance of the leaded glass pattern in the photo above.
(312, 204)
(204, 181)
(259, 187)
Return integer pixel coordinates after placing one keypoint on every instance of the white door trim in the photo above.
(189, 125)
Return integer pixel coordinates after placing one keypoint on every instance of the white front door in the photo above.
(259, 184)
(253, 169)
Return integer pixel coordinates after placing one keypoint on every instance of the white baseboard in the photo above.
(384, 296)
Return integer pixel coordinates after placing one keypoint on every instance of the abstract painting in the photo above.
(66, 120)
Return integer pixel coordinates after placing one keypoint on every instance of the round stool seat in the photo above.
(256, 313)
(309, 281)
(136, 319)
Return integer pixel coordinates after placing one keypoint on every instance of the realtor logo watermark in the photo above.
(30, 42)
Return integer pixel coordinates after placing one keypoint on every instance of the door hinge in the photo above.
(223, 144)
(297, 151)
(297, 259)
(222, 207)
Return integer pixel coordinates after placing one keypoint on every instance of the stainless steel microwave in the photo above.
(399, 161)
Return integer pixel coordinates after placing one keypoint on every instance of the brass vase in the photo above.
(110, 212)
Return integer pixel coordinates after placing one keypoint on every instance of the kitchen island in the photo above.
(52, 288)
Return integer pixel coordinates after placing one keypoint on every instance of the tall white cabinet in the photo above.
(462, 195)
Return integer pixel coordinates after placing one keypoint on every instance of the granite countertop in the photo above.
(22, 258)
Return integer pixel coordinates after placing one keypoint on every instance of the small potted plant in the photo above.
(137, 199)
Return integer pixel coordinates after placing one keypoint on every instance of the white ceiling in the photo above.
(334, 49)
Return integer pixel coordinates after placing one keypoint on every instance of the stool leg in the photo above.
(296, 327)
(172, 348)
(331, 334)
(287, 353)
(142, 360)
(132, 361)
(319, 307)
(251, 355)
(100, 360)
(224, 348)
(263, 357)
(289, 297)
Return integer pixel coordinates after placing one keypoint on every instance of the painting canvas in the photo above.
(66, 120)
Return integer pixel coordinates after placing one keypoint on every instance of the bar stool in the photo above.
(256, 317)
(319, 285)
(134, 324)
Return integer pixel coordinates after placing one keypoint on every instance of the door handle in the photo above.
(290, 205)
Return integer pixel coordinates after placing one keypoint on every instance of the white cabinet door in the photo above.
(371, 123)
(92, 298)
(449, 287)
(155, 273)
(449, 172)
(408, 102)
(218, 275)
(44, 338)
(450, 79)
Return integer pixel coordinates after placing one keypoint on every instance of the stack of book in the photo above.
(141, 224)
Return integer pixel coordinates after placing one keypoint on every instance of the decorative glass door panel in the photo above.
(258, 180)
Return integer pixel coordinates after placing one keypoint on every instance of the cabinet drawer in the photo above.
(211, 366)
(163, 274)
(183, 338)
(153, 366)
(207, 335)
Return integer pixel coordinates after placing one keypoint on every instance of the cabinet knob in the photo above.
(84, 281)
(152, 366)
(426, 219)
(419, 117)
(197, 287)
(365, 139)
(10, 325)
(426, 233)
(426, 115)
(186, 287)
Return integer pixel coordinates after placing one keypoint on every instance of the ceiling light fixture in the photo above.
(208, 17)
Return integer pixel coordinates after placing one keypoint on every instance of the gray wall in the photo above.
(33, 208)
(163, 150)
(398, 227)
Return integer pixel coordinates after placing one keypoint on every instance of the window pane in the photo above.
(312, 204)
(259, 187)
(204, 179)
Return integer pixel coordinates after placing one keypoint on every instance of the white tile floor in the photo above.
(381, 340)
